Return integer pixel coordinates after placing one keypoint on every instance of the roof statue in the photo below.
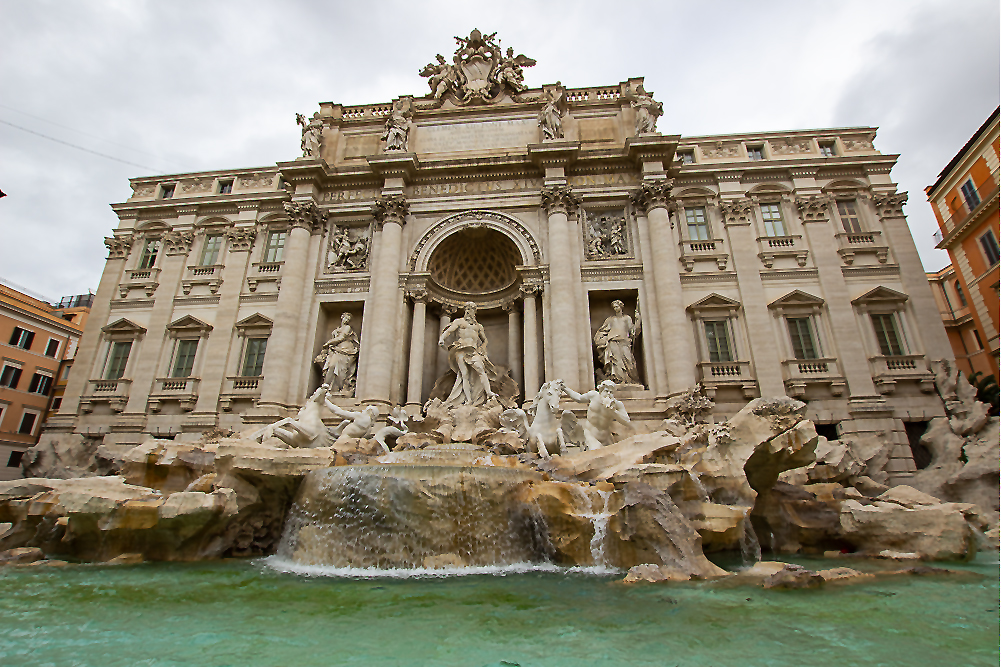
(480, 71)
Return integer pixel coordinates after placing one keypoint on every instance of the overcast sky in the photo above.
(167, 87)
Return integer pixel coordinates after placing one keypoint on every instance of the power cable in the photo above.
(86, 150)
(79, 131)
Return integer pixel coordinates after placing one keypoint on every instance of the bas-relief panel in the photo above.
(485, 135)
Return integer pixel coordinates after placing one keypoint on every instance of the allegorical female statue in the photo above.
(339, 357)
(614, 343)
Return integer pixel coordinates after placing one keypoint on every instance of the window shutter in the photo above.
(29, 339)
(15, 336)
(33, 385)
(15, 379)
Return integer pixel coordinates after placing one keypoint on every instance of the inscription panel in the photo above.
(486, 135)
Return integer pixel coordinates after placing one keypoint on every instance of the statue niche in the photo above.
(616, 345)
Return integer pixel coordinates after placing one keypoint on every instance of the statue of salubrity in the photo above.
(614, 342)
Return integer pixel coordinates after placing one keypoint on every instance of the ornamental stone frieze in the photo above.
(241, 239)
(119, 247)
(177, 242)
(736, 211)
(814, 209)
(305, 214)
(348, 249)
(559, 199)
(392, 208)
(653, 195)
(891, 205)
(606, 236)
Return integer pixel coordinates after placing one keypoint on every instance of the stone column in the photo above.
(415, 376)
(653, 344)
(814, 211)
(559, 202)
(240, 240)
(513, 342)
(390, 214)
(441, 358)
(305, 218)
(890, 208)
(531, 343)
(83, 370)
(676, 333)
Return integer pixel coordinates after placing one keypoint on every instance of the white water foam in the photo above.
(287, 566)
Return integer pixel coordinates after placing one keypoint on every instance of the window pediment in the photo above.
(797, 301)
(714, 304)
(124, 327)
(254, 324)
(189, 326)
(881, 297)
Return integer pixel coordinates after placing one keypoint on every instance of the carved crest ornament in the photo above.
(480, 71)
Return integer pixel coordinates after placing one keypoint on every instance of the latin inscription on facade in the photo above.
(458, 137)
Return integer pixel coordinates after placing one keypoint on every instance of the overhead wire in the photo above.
(86, 150)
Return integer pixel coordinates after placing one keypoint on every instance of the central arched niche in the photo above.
(475, 262)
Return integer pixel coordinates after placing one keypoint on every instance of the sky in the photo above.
(94, 93)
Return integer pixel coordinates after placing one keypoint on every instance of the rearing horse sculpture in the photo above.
(306, 429)
(542, 433)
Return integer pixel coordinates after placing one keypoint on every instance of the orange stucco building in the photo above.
(38, 342)
(965, 201)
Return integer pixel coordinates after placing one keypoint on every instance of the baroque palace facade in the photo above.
(759, 264)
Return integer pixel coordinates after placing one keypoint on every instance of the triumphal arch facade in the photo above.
(594, 244)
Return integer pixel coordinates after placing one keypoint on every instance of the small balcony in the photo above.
(707, 250)
(774, 247)
(715, 374)
(113, 392)
(861, 243)
(145, 279)
(888, 370)
(183, 390)
(968, 203)
(209, 275)
(800, 373)
(240, 388)
(264, 272)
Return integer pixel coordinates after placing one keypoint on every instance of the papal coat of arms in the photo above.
(480, 71)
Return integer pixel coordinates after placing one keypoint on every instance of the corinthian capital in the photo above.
(891, 205)
(653, 195)
(241, 239)
(119, 247)
(736, 211)
(305, 214)
(813, 209)
(392, 208)
(177, 243)
(559, 199)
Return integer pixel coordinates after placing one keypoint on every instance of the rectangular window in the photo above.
(849, 217)
(976, 337)
(148, 257)
(225, 187)
(961, 294)
(27, 426)
(887, 334)
(970, 194)
(718, 340)
(10, 376)
(15, 459)
(755, 153)
(804, 345)
(698, 228)
(66, 372)
(40, 384)
(275, 247)
(990, 245)
(253, 360)
(166, 191)
(57, 403)
(827, 149)
(686, 157)
(22, 338)
(771, 214)
(52, 349)
(210, 249)
(118, 357)
(184, 358)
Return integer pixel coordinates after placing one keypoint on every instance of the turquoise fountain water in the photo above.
(246, 614)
